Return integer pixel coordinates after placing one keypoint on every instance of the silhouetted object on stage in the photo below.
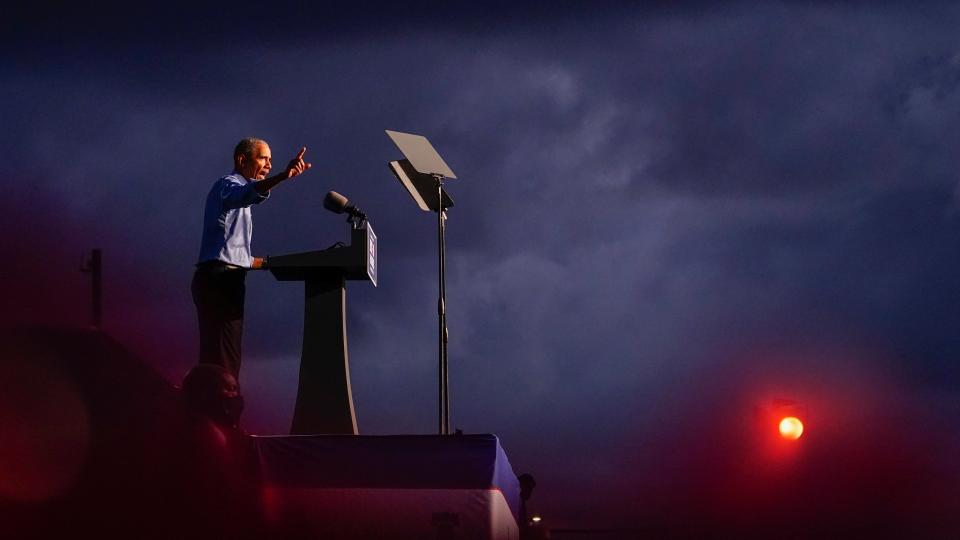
(94, 267)
(527, 483)
(324, 399)
(212, 391)
(422, 174)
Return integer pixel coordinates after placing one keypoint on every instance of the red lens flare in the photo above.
(791, 428)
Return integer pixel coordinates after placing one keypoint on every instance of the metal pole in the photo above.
(96, 266)
(444, 368)
(441, 309)
(93, 266)
(445, 336)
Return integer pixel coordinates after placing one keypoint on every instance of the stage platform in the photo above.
(401, 486)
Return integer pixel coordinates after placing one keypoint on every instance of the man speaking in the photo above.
(218, 283)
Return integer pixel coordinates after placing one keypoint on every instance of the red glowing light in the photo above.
(791, 428)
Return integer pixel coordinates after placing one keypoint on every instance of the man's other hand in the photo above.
(297, 165)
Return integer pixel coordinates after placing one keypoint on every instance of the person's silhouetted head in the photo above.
(212, 391)
(527, 483)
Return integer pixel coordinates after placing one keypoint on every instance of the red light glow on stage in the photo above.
(791, 428)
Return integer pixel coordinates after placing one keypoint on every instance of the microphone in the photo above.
(339, 204)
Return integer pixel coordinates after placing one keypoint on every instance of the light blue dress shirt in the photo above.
(227, 222)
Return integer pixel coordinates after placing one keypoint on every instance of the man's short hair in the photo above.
(246, 145)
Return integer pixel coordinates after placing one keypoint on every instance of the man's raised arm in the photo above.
(296, 167)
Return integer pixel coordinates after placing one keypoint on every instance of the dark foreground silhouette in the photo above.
(97, 444)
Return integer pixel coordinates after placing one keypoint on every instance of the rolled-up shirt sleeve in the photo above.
(236, 193)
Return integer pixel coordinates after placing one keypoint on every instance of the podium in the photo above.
(324, 399)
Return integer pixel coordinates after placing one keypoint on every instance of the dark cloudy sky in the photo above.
(665, 218)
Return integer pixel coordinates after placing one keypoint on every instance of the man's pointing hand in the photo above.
(297, 166)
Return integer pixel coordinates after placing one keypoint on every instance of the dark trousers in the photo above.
(218, 293)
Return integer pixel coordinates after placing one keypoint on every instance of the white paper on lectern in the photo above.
(421, 154)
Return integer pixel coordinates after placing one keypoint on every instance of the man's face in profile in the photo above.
(257, 165)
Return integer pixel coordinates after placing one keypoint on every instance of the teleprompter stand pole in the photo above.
(444, 401)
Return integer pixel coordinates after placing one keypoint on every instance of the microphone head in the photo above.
(335, 202)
